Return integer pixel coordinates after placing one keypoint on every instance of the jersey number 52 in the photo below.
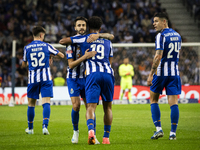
(35, 61)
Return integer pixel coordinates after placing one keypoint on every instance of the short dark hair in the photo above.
(95, 22)
(80, 18)
(37, 29)
(162, 15)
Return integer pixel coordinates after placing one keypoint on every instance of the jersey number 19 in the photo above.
(100, 49)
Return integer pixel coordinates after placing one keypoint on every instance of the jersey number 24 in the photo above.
(174, 47)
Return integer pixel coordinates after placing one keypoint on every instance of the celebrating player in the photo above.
(76, 73)
(165, 74)
(99, 80)
(126, 72)
(37, 54)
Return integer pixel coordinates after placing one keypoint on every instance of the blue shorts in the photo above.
(44, 87)
(99, 84)
(76, 87)
(172, 84)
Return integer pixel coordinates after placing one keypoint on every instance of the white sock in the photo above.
(158, 128)
(171, 133)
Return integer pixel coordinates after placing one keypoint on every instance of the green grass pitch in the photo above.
(132, 128)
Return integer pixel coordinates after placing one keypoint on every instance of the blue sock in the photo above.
(107, 131)
(30, 115)
(155, 111)
(46, 114)
(75, 119)
(94, 124)
(90, 124)
(174, 117)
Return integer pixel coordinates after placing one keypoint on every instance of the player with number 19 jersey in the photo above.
(37, 53)
(99, 74)
(167, 74)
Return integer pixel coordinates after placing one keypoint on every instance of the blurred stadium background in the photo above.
(130, 21)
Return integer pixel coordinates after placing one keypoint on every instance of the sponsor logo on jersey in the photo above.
(69, 51)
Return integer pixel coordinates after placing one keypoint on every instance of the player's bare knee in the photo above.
(76, 106)
(31, 102)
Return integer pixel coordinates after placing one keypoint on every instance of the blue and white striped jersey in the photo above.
(169, 41)
(37, 54)
(100, 62)
(74, 52)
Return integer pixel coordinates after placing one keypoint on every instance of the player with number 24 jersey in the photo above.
(169, 41)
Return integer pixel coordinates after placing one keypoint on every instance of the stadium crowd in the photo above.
(129, 21)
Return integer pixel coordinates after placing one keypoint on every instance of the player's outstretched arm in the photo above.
(106, 36)
(87, 55)
(65, 41)
(61, 55)
(94, 37)
(156, 62)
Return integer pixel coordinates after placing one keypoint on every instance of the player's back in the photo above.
(37, 53)
(170, 42)
(100, 62)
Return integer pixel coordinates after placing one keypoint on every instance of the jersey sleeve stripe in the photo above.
(111, 50)
(158, 41)
(52, 50)
(24, 57)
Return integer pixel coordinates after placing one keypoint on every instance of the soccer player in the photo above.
(126, 72)
(76, 73)
(37, 54)
(100, 78)
(165, 74)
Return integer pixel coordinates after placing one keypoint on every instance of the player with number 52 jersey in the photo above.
(38, 55)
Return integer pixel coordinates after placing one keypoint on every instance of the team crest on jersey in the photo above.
(71, 91)
(78, 52)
